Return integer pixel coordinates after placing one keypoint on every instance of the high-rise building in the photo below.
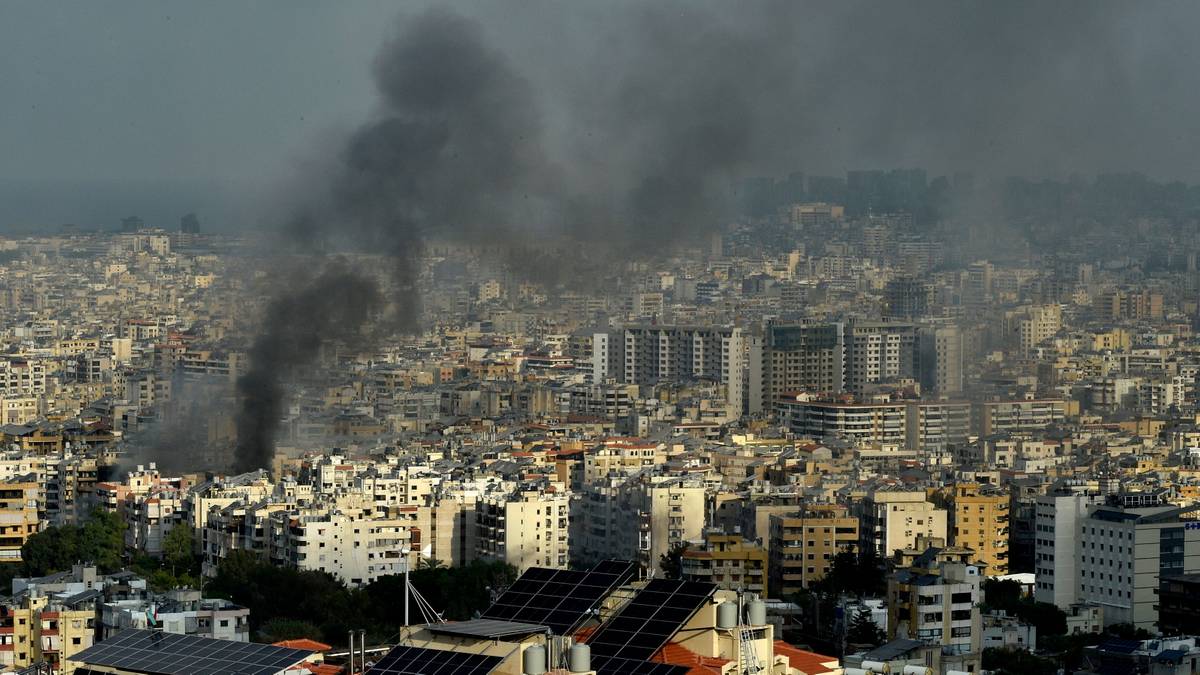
(1124, 548)
(654, 354)
(906, 298)
(525, 528)
(980, 522)
(803, 358)
(878, 352)
(940, 359)
(1057, 519)
(803, 546)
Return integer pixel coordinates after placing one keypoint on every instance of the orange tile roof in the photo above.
(324, 669)
(810, 663)
(679, 655)
(304, 643)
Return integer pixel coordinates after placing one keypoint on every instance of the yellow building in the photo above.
(36, 630)
(728, 561)
(980, 522)
(803, 546)
(18, 517)
(1117, 339)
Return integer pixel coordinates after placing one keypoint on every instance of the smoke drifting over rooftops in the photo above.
(625, 124)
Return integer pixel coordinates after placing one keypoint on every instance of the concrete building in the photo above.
(525, 527)
(1124, 548)
(878, 352)
(938, 603)
(803, 358)
(893, 520)
(940, 359)
(729, 562)
(802, 547)
(19, 517)
(980, 518)
(1058, 515)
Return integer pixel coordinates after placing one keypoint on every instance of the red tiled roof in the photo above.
(679, 655)
(325, 669)
(304, 643)
(810, 663)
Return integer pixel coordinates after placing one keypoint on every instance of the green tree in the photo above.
(1007, 595)
(854, 573)
(100, 541)
(271, 592)
(178, 548)
(429, 564)
(671, 562)
(1001, 594)
(1016, 662)
(287, 629)
(863, 630)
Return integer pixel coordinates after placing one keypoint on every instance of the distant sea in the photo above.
(43, 207)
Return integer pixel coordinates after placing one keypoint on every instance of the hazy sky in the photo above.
(169, 106)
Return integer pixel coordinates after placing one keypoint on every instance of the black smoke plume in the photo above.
(333, 306)
(453, 149)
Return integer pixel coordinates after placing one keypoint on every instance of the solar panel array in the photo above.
(147, 651)
(650, 619)
(558, 599)
(404, 660)
(611, 665)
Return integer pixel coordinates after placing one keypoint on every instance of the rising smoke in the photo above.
(453, 149)
(625, 124)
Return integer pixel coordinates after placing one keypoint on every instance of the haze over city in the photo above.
(592, 337)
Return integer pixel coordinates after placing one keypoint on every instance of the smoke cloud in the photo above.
(334, 306)
(623, 126)
(453, 149)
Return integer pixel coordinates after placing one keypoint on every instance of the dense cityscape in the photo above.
(573, 356)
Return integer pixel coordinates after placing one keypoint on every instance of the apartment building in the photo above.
(37, 628)
(622, 456)
(353, 548)
(638, 518)
(1023, 416)
(19, 517)
(894, 519)
(938, 602)
(659, 353)
(1125, 546)
(807, 357)
(940, 359)
(729, 562)
(802, 547)
(879, 352)
(20, 376)
(980, 517)
(1058, 515)
(525, 527)
(860, 423)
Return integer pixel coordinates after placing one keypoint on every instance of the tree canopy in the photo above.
(286, 601)
(100, 541)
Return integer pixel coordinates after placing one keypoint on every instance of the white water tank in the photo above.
(917, 670)
(579, 658)
(876, 667)
(533, 660)
(727, 615)
(855, 671)
(756, 613)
